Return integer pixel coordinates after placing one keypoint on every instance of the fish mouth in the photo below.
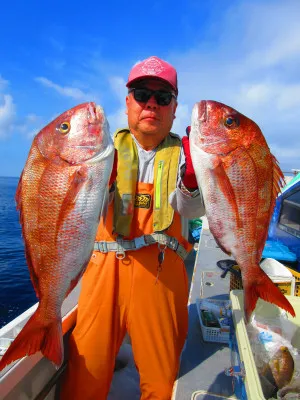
(95, 114)
(199, 115)
(202, 111)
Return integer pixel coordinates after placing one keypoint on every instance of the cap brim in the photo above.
(140, 78)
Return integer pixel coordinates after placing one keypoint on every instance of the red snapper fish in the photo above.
(240, 180)
(61, 195)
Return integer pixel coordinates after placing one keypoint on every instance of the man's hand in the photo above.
(113, 175)
(189, 177)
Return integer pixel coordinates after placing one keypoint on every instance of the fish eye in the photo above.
(231, 122)
(64, 127)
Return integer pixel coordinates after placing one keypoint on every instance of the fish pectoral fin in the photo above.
(223, 182)
(76, 183)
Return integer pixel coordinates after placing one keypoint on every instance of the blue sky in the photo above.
(55, 55)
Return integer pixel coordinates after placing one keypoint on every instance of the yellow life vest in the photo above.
(165, 178)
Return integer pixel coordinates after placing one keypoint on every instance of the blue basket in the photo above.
(278, 251)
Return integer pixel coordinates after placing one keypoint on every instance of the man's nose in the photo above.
(151, 103)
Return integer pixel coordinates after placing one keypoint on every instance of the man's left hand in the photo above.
(189, 177)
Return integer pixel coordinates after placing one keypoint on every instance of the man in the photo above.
(136, 280)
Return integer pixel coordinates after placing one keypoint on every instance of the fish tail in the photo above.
(34, 337)
(263, 287)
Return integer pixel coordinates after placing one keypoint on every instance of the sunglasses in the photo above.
(162, 97)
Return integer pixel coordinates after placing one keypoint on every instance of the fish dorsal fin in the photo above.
(18, 196)
(277, 184)
(33, 276)
(278, 178)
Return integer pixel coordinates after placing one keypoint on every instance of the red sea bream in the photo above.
(61, 194)
(239, 179)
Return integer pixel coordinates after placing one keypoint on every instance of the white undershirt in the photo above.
(146, 163)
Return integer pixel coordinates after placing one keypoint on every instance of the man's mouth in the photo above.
(150, 116)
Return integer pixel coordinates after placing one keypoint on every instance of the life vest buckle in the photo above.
(120, 255)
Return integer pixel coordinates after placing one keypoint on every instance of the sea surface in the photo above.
(16, 291)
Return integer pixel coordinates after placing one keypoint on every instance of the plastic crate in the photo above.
(251, 378)
(235, 281)
(211, 334)
(287, 286)
(297, 281)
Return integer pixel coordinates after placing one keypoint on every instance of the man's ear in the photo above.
(174, 110)
(127, 100)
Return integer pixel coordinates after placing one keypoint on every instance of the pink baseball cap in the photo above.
(154, 67)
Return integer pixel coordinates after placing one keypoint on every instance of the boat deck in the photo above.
(201, 375)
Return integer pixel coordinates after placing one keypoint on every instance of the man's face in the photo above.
(149, 118)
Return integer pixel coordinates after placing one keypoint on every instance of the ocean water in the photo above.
(16, 291)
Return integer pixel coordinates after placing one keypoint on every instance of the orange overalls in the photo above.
(123, 295)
